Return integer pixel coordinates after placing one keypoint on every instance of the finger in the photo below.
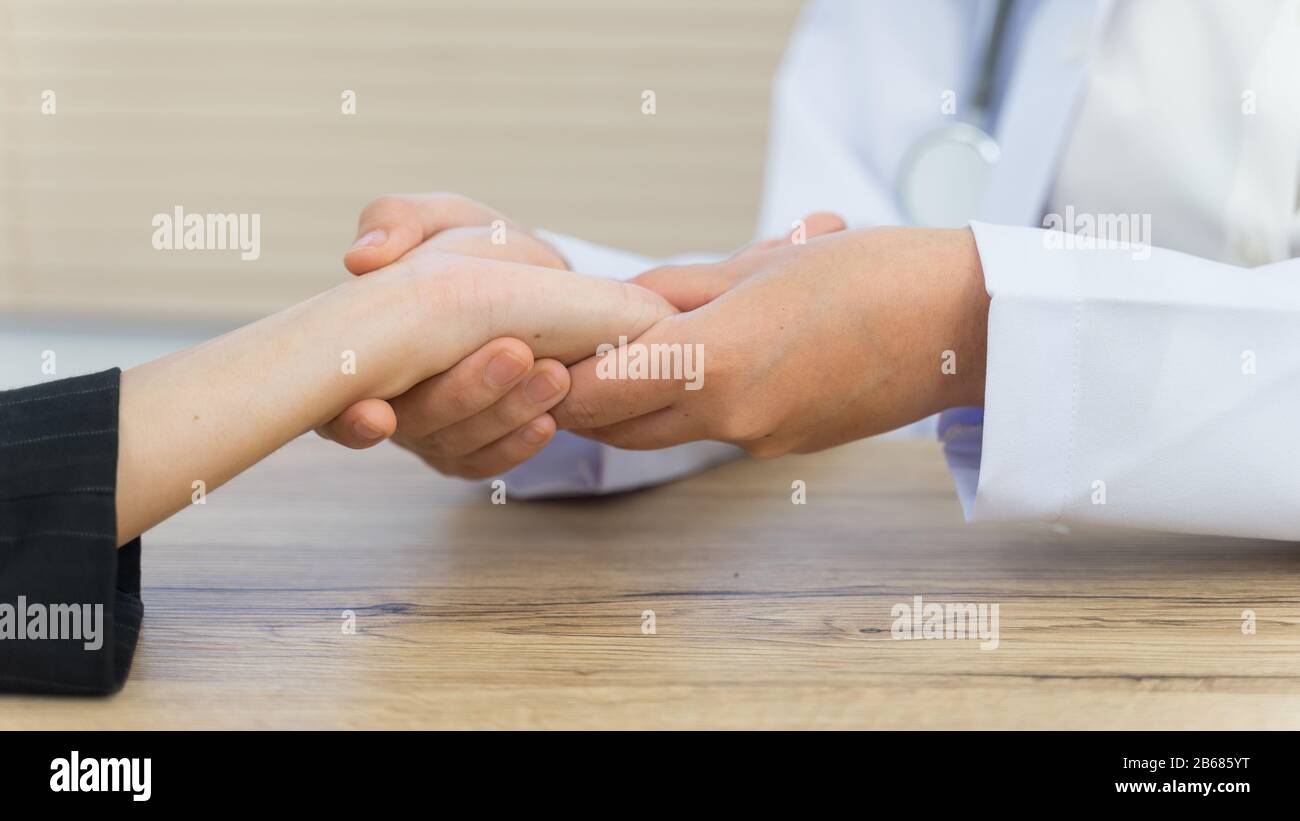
(470, 387)
(363, 425)
(506, 245)
(595, 401)
(687, 287)
(392, 225)
(514, 448)
(542, 390)
(760, 246)
(814, 225)
(658, 429)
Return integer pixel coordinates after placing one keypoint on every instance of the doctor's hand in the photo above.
(489, 412)
(804, 346)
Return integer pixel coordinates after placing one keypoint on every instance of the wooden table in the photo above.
(767, 614)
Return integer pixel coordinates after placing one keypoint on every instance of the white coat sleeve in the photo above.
(573, 466)
(1135, 387)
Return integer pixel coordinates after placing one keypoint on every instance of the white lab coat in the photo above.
(1118, 390)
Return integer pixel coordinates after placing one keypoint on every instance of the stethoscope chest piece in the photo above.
(945, 174)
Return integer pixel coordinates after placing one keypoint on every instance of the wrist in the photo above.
(209, 412)
(970, 319)
(375, 334)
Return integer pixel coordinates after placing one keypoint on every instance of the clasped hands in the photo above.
(821, 337)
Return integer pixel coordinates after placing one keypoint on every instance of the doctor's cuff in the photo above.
(961, 430)
(1021, 462)
(573, 466)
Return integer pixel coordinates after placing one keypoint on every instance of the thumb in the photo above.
(388, 228)
(392, 225)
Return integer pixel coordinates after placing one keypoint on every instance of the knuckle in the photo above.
(741, 427)
(767, 447)
(447, 466)
(441, 446)
(580, 412)
(461, 401)
(475, 470)
(385, 204)
(451, 468)
(508, 414)
(603, 435)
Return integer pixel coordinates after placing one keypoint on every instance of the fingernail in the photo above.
(541, 388)
(375, 237)
(366, 430)
(533, 435)
(504, 369)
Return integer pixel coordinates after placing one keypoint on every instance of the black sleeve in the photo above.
(70, 606)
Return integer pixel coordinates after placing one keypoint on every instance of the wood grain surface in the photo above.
(767, 614)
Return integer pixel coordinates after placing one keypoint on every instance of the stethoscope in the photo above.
(945, 173)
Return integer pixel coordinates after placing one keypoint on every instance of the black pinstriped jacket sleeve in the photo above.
(58, 477)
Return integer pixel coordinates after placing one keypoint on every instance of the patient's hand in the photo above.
(488, 412)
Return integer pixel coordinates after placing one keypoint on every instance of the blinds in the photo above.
(237, 107)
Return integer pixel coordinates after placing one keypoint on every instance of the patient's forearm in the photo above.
(208, 413)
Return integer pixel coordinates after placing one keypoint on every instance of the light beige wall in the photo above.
(234, 106)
